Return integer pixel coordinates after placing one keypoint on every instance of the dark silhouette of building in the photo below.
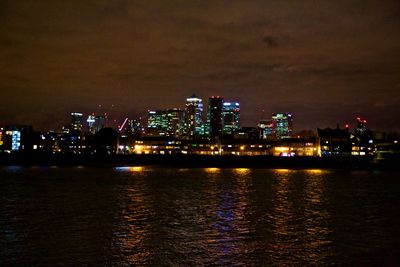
(334, 142)
(214, 116)
(76, 123)
(105, 141)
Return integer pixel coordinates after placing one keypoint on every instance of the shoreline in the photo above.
(198, 161)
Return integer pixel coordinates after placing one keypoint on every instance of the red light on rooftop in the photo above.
(346, 126)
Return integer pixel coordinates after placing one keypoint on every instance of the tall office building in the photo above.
(165, 122)
(76, 123)
(361, 128)
(157, 123)
(175, 122)
(134, 128)
(96, 123)
(214, 116)
(283, 125)
(16, 138)
(230, 117)
(194, 125)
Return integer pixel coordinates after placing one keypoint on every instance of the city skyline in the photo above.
(327, 63)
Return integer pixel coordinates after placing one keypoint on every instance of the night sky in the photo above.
(324, 61)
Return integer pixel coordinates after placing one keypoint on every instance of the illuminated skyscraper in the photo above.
(96, 123)
(194, 126)
(361, 129)
(157, 123)
(134, 128)
(230, 117)
(175, 122)
(76, 124)
(214, 116)
(283, 125)
(165, 122)
(16, 138)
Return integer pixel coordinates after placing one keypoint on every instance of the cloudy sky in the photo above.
(325, 61)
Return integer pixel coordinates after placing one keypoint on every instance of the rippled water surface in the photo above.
(186, 217)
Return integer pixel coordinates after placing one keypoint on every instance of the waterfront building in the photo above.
(214, 116)
(76, 123)
(362, 142)
(295, 147)
(230, 118)
(162, 145)
(334, 142)
(361, 128)
(194, 126)
(283, 125)
(17, 138)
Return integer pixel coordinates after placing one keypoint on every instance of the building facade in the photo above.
(230, 118)
(168, 122)
(194, 126)
(76, 124)
(283, 125)
(96, 123)
(214, 116)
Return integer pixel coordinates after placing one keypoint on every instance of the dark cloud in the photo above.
(270, 41)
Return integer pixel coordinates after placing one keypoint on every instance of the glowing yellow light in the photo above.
(212, 170)
(241, 147)
(212, 147)
(281, 149)
(315, 171)
(282, 170)
(138, 149)
(242, 171)
(136, 169)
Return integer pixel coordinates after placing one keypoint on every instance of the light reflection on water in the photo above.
(211, 216)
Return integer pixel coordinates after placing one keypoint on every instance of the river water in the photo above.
(198, 217)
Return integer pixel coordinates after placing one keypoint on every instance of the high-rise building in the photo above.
(175, 122)
(230, 117)
(214, 116)
(76, 123)
(361, 129)
(134, 128)
(165, 122)
(96, 123)
(157, 123)
(194, 126)
(283, 124)
(17, 137)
